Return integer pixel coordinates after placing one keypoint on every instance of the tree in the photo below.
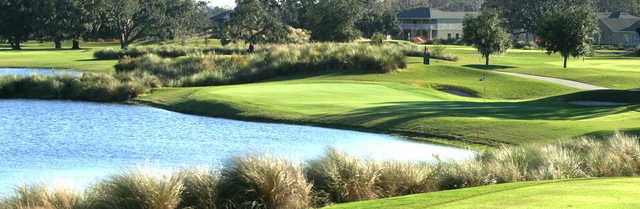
(523, 16)
(16, 20)
(568, 32)
(252, 22)
(334, 20)
(59, 20)
(485, 34)
(378, 18)
(138, 19)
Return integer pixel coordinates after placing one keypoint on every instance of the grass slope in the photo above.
(576, 193)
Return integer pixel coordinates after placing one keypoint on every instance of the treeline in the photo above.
(266, 182)
(125, 20)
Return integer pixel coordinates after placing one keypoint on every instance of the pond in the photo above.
(81, 142)
(25, 72)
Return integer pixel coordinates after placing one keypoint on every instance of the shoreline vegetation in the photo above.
(135, 76)
(263, 181)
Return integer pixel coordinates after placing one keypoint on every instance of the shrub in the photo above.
(108, 54)
(133, 52)
(263, 182)
(344, 178)
(277, 61)
(137, 190)
(378, 38)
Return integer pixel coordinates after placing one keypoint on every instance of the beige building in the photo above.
(431, 24)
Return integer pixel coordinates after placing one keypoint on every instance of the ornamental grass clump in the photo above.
(397, 178)
(343, 178)
(262, 181)
(88, 87)
(137, 190)
(200, 189)
(39, 196)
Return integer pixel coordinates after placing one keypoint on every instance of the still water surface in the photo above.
(25, 72)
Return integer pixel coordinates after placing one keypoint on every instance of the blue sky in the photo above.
(222, 3)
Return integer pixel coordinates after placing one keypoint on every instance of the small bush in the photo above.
(263, 182)
(108, 54)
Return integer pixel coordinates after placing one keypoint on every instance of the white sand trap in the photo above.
(597, 103)
(458, 93)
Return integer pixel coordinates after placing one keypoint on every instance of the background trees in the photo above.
(569, 32)
(137, 19)
(256, 22)
(485, 34)
(16, 20)
(58, 20)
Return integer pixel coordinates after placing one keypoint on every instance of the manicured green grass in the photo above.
(602, 70)
(43, 55)
(399, 108)
(576, 193)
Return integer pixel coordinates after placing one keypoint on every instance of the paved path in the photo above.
(568, 83)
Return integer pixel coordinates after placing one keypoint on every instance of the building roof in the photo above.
(429, 13)
(619, 21)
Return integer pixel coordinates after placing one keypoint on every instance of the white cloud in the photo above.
(222, 3)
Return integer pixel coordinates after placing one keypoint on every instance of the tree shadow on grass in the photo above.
(401, 112)
(88, 60)
(489, 67)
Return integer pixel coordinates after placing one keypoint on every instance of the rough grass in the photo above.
(277, 61)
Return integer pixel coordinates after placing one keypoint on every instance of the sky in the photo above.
(222, 3)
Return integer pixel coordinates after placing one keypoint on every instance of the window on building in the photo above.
(457, 36)
(449, 36)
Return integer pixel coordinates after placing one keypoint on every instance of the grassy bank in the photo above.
(262, 181)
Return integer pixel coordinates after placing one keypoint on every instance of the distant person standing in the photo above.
(251, 48)
(427, 56)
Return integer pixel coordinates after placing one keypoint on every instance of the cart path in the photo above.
(568, 83)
